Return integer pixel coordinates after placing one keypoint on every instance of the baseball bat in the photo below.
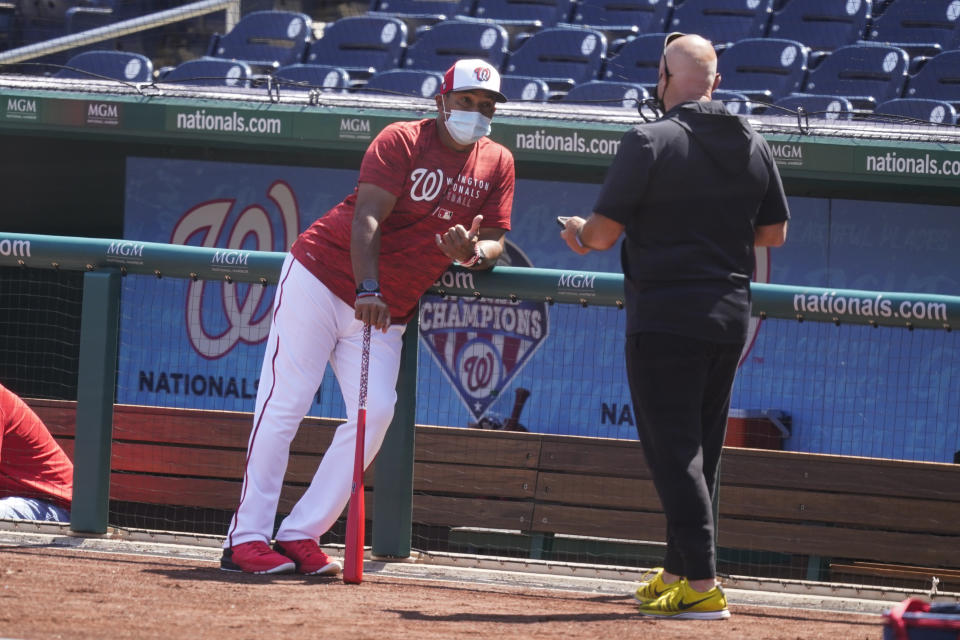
(520, 398)
(356, 520)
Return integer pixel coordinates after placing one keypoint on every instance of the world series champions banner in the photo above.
(481, 345)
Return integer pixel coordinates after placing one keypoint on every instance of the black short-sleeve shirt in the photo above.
(690, 189)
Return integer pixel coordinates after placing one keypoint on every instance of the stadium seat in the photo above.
(601, 93)
(408, 82)
(736, 103)
(81, 18)
(822, 25)
(936, 111)
(114, 65)
(439, 46)
(265, 38)
(421, 12)
(8, 26)
(638, 61)
(765, 69)
(524, 89)
(210, 72)
(723, 22)
(825, 107)
(919, 27)
(307, 77)
(526, 15)
(866, 74)
(562, 57)
(938, 79)
(37, 21)
(363, 45)
(622, 18)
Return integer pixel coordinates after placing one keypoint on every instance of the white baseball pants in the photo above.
(311, 326)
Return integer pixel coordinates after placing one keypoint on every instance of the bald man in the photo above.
(692, 193)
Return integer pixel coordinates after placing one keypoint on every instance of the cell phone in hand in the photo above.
(562, 221)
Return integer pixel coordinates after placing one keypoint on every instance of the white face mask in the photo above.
(466, 127)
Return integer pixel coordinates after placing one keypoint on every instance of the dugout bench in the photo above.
(841, 515)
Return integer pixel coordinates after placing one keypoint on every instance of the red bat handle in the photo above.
(353, 552)
(356, 520)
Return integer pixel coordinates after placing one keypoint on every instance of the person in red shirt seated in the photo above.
(36, 476)
(430, 193)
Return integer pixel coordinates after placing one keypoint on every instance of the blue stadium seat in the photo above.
(81, 18)
(822, 25)
(115, 65)
(622, 18)
(421, 11)
(363, 45)
(265, 38)
(637, 61)
(562, 57)
(920, 27)
(439, 46)
(210, 72)
(307, 77)
(763, 68)
(524, 89)
(866, 74)
(936, 111)
(721, 21)
(601, 93)
(736, 103)
(408, 82)
(938, 79)
(825, 107)
(8, 26)
(528, 14)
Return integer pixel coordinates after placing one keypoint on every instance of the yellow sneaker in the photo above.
(652, 586)
(683, 603)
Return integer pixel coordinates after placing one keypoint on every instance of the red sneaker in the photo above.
(310, 559)
(255, 557)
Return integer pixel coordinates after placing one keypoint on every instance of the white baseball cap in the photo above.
(472, 73)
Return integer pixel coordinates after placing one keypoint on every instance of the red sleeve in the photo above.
(386, 160)
(497, 207)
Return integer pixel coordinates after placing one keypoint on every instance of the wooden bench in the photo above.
(836, 511)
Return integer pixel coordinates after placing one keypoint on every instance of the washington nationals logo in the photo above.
(240, 302)
(426, 184)
(482, 73)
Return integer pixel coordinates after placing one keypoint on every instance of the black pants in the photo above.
(681, 396)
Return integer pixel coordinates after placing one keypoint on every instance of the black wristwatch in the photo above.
(368, 286)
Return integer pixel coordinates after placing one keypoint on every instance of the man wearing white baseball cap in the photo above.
(430, 193)
(467, 100)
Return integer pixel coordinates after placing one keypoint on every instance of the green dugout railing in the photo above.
(105, 261)
(842, 306)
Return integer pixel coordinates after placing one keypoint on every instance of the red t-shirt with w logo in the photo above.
(436, 188)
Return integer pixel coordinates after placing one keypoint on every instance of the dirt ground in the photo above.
(48, 592)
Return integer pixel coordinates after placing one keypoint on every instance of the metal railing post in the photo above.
(96, 386)
(393, 497)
